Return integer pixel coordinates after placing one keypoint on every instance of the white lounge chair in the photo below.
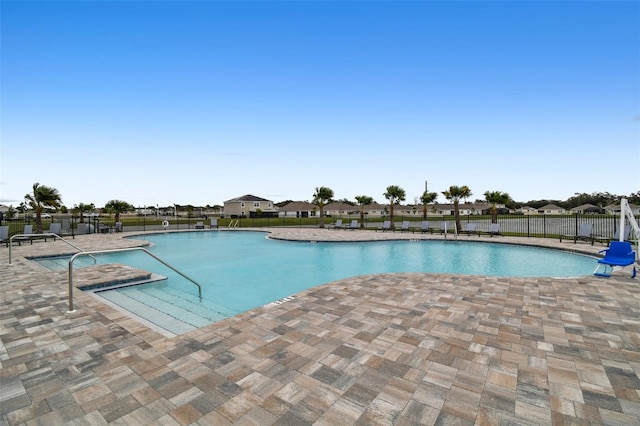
(338, 224)
(199, 225)
(213, 224)
(443, 228)
(494, 229)
(405, 226)
(386, 225)
(354, 225)
(585, 233)
(470, 228)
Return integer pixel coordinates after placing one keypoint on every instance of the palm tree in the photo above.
(117, 207)
(427, 198)
(394, 194)
(81, 208)
(321, 198)
(455, 193)
(363, 200)
(43, 196)
(496, 197)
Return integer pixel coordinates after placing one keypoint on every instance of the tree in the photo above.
(363, 200)
(455, 193)
(427, 198)
(81, 208)
(117, 207)
(495, 198)
(43, 196)
(394, 194)
(321, 198)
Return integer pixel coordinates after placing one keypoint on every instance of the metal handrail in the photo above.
(89, 253)
(234, 224)
(46, 234)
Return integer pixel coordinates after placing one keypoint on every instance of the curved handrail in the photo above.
(45, 234)
(89, 253)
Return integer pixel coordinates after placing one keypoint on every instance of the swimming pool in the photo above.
(239, 271)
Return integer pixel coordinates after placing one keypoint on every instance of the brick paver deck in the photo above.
(403, 349)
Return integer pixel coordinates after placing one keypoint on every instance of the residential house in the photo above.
(298, 209)
(339, 209)
(586, 209)
(527, 210)
(551, 209)
(615, 209)
(250, 206)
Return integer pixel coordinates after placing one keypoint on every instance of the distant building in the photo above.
(551, 209)
(527, 210)
(586, 209)
(250, 206)
(298, 209)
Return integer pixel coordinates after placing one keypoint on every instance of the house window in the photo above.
(256, 204)
(242, 204)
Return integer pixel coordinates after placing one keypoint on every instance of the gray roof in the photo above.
(247, 197)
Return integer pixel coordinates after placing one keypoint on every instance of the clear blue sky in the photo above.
(155, 102)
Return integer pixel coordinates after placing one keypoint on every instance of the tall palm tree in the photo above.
(394, 194)
(43, 196)
(321, 198)
(427, 198)
(496, 197)
(117, 207)
(363, 200)
(455, 193)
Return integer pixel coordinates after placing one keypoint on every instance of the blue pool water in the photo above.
(239, 271)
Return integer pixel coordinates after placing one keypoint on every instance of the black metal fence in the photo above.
(545, 226)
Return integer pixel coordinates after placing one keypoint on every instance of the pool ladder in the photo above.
(90, 253)
(234, 224)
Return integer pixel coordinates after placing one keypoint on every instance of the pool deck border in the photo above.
(373, 350)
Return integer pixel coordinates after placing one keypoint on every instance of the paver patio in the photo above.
(404, 349)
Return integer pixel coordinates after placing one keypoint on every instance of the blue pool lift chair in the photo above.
(617, 256)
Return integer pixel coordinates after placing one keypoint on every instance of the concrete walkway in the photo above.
(405, 349)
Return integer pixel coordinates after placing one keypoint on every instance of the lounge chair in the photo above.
(585, 233)
(405, 226)
(199, 225)
(616, 236)
(28, 235)
(213, 224)
(81, 229)
(470, 228)
(494, 229)
(617, 256)
(443, 228)
(4, 235)
(386, 226)
(338, 224)
(65, 227)
(354, 225)
(54, 228)
(118, 227)
(424, 226)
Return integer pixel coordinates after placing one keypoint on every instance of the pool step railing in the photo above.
(90, 253)
(44, 234)
(234, 224)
